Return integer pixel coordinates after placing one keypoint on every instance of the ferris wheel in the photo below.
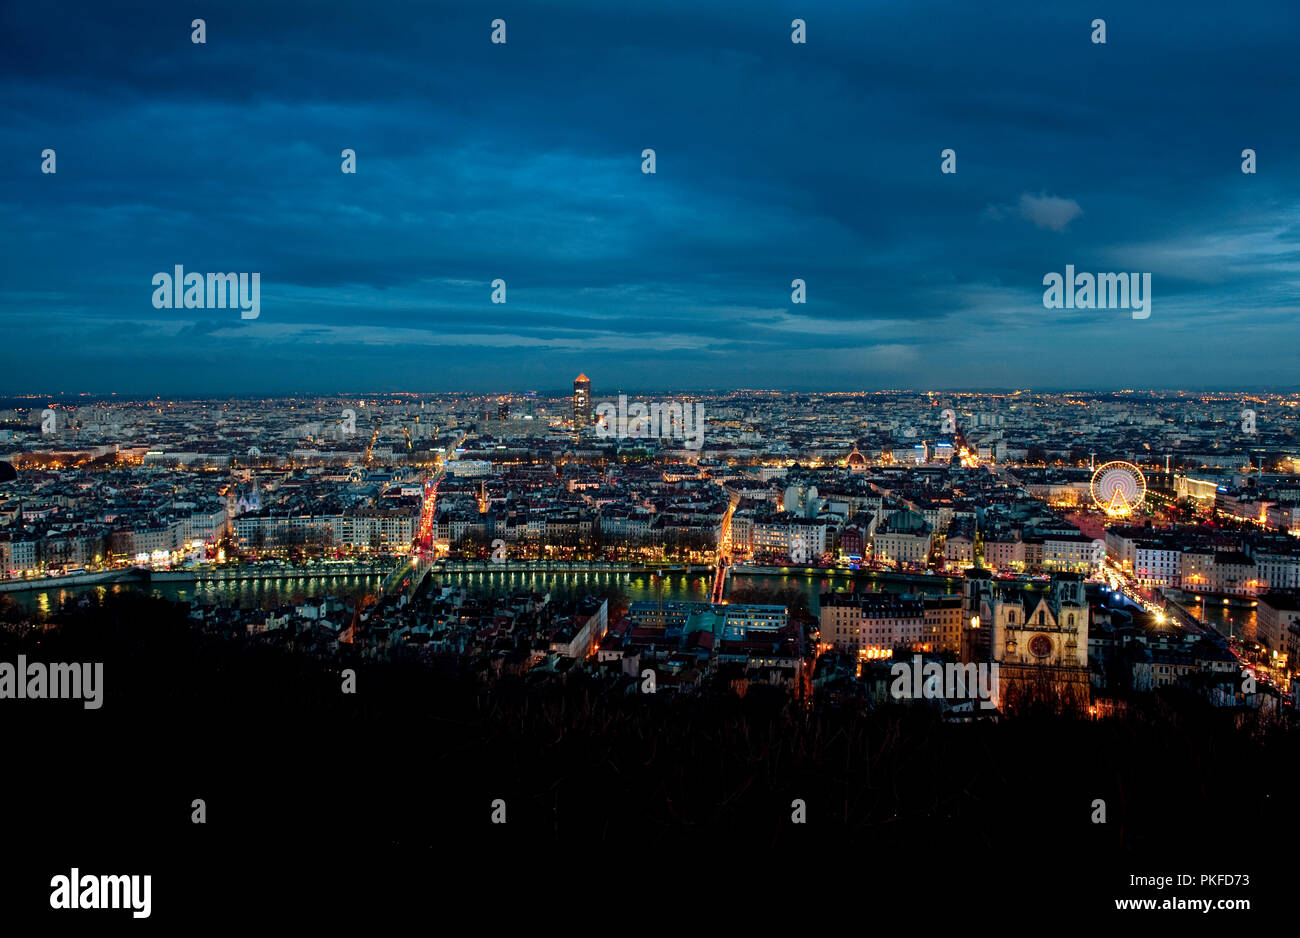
(1118, 488)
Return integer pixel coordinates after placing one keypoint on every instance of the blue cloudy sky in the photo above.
(523, 161)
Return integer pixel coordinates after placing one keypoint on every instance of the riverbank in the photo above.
(840, 573)
(563, 566)
(143, 576)
(130, 575)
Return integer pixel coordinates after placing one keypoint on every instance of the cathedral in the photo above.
(1037, 637)
(241, 501)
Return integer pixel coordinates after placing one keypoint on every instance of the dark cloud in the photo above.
(775, 162)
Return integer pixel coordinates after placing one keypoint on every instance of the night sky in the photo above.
(522, 161)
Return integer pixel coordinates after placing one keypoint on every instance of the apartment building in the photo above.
(902, 538)
(874, 624)
(1276, 615)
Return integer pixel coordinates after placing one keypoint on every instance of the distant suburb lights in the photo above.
(1114, 291)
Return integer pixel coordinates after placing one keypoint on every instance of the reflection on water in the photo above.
(245, 594)
(813, 586)
(679, 587)
(267, 594)
(1229, 620)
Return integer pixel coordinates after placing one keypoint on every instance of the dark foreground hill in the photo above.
(319, 801)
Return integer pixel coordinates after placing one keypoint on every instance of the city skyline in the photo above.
(776, 162)
(437, 439)
(26, 398)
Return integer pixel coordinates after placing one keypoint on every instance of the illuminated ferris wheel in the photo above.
(1118, 488)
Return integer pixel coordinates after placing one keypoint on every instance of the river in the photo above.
(249, 594)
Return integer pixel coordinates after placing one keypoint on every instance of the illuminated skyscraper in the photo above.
(581, 402)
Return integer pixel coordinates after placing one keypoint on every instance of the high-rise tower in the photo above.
(581, 402)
